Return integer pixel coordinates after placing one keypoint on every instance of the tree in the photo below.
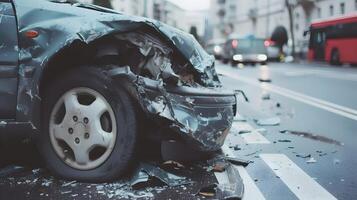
(103, 3)
(193, 31)
(280, 37)
(307, 6)
(290, 6)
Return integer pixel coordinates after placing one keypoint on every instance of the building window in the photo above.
(331, 10)
(319, 12)
(342, 8)
(355, 4)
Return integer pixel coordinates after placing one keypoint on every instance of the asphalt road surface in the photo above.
(311, 153)
(298, 129)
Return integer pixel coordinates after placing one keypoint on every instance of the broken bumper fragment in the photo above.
(202, 116)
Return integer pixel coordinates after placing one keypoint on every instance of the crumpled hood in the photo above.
(91, 22)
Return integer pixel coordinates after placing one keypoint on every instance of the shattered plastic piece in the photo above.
(236, 148)
(233, 189)
(152, 171)
(173, 164)
(311, 160)
(208, 191)
(244, 131)
(265, 80)
(237, 161)
(266, 96)
(139, 177)
(284, 140)
(303, 156)
(68, 183)
(222, 162)
(273, 121)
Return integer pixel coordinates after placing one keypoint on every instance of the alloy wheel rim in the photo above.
(82, 128)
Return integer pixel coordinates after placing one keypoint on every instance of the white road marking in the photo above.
(251, 191)
(252, 136)
(322, 73)
(301, 184)
(322, 104)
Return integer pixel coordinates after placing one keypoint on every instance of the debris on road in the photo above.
(220, 163)
(173, 164)
(313, 137)
(208, 191)
(303, 156)
(272, 121)
(235, 147)
(68, 183)
(311, 160)
(237, 161)
(145, 171)
(284, 140)
(265, 96)
(232, 189)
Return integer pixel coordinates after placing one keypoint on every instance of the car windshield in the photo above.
(250, 46)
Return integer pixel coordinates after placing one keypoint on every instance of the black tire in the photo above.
(335, 57)
(122, 154)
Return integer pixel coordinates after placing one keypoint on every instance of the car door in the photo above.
(8, 60)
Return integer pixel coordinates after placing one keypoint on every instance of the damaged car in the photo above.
(87, 83)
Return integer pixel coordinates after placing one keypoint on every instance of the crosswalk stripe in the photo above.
(251, 191)
(300, 183)
(252, 136)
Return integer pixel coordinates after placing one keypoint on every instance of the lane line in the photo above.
(319, 73)
(301, 184)
(251, 191)
(322, 104)
(253, 136)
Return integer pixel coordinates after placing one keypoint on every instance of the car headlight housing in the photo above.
(262, 57)
(237, 57)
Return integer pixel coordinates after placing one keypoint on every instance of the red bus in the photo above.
(334, 40)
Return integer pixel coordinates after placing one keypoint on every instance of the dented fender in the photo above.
(60, 25)
(201, 116)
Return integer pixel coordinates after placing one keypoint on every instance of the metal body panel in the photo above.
(8, 61)
(202, 113)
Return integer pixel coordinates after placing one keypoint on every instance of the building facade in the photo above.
(164, 11)
(261, 17)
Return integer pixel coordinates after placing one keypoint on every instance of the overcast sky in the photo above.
(192, 4)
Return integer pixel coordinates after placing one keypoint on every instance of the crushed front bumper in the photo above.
(202, 116)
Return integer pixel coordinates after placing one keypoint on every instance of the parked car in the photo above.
(215, 47)
(82, 81)
(246, 50)
(273, 51)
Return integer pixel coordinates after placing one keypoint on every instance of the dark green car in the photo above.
(86, 83)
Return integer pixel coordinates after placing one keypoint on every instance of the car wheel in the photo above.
(225, 61)
(89, 127)
(335, 57)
